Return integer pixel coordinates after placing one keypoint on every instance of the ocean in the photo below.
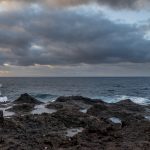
(109, 89)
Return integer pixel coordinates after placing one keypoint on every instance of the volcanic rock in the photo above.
(76, 98)
(21, 108)
(26, 98)
(1, 117)
(101, 127)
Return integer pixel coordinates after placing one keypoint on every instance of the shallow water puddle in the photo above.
(73, 131)
(39, 109)
(83, 110)
(115, 120)
(7, 113)
(147, 117)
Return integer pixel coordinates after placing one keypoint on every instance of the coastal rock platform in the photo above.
(76, 123)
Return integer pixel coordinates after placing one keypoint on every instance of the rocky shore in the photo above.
(73, 123)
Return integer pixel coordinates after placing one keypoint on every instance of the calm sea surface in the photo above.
(108, 89)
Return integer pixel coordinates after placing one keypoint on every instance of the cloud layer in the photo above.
(34, 35)
(132, 4)
(65, 37)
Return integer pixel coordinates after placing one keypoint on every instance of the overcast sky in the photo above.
(74, 38)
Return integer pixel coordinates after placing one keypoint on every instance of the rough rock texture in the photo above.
(21, 108)
(73, 102)
(77, 99)
(49, 131)
(1, 117)
(127, 111)
(26, 98)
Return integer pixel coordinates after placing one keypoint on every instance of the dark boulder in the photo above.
(130, 106)
(76, 98)
(98, 109)
(1, 117)
(62, 105)
(26, 98)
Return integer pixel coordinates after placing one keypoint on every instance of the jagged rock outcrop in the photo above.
(26, 98)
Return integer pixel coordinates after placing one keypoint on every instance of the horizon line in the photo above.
(74, 76)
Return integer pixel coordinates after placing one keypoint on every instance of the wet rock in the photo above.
(26, 98)
(70, 129)
(76, 98)
(98, 110)
(20, 108)
(130, 106)
(96, 125)
(55, 105)
(1, 140)
(126, 110)
(72, 118)
(62, 105)
(73, 102)
(1, 117)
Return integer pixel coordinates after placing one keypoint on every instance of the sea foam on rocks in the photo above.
(3, 99)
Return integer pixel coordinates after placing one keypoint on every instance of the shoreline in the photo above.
(74, 122)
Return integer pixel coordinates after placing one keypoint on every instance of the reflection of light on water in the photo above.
(115, 120)
(147, 117)
(83, 110)
(39, 109)
(7, 113)
(72, 132)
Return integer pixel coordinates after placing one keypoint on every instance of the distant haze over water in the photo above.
(110, 89)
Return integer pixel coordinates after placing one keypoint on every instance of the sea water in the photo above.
(111, 89)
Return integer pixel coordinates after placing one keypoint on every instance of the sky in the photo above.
(65, 38)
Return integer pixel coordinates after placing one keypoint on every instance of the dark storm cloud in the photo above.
(132, 4)
(125, 3)
(64, 37)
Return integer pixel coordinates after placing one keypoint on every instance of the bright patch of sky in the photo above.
(127, 16)
(119, 16)
(123, 16)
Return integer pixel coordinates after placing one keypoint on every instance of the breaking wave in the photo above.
(117, 98)
(3, 99)
(44, 96)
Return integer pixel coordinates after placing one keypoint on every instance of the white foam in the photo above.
(117, 98)
(3, 99)
(138, 100)
(53, 100)
(115, 120)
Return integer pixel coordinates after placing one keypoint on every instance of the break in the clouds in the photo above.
(70, 38)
